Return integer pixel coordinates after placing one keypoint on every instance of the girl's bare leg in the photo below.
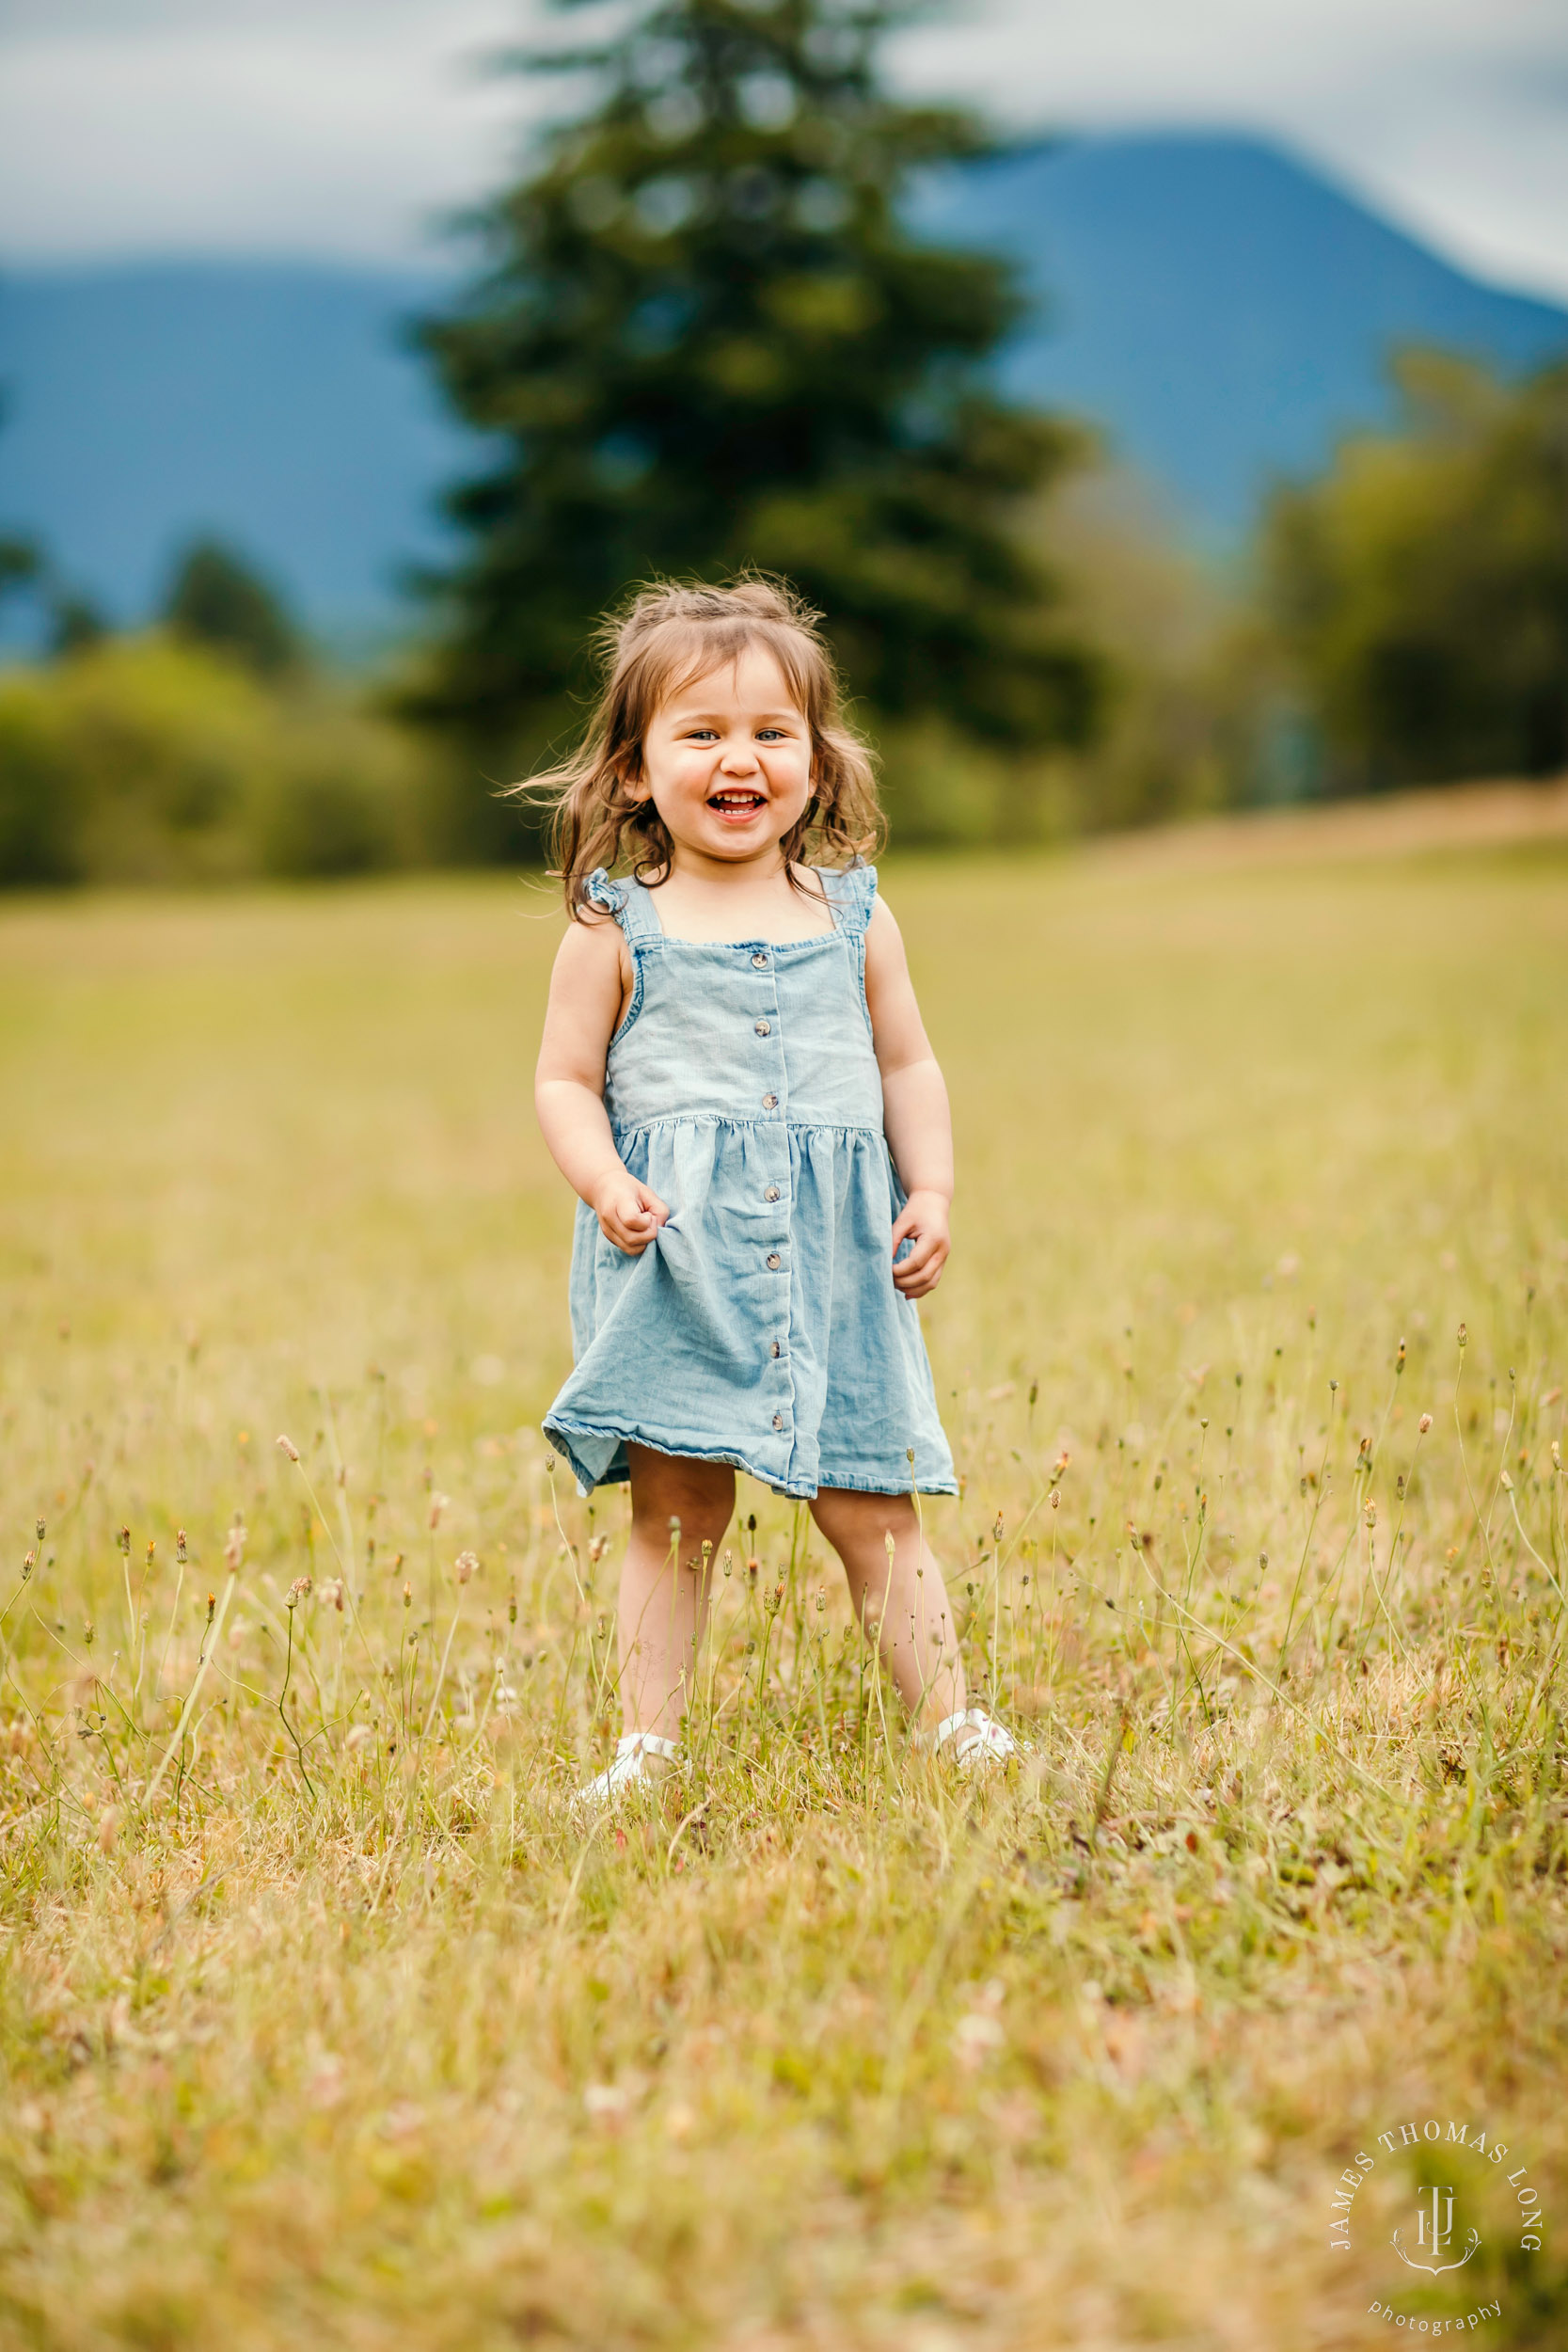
(898, 1596)
(662, 1611)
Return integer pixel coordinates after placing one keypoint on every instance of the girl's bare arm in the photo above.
(914, 1108)
(587, 990)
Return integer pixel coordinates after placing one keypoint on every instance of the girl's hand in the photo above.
(925, 1224)
(630, 1214)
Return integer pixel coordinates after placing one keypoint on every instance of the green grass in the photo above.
(323, 2024)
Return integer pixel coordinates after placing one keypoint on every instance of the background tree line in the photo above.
(702, 338)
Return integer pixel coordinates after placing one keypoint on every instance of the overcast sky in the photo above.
(347, 127)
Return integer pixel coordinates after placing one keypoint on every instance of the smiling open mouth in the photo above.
(737, 804)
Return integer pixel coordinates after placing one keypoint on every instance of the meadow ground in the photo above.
(323, 2023)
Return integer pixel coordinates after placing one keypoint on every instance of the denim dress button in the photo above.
(774, 1261)
(759, 961)
(778, 1420)
(770, 1101)
(773, 1193)
(764, 1028)
(774, 1350)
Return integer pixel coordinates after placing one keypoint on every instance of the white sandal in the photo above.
(990, 1743)
(641, 1759)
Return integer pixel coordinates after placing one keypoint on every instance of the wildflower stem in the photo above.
(282, 1695)
(191, 1696)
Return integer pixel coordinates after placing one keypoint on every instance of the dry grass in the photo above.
(1468, 816)
(324, 2023)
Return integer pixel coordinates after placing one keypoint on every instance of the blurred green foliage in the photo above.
(1189, 684)
(215, 599)
(19, 562)
(75, 621)
(1420, 588)
(1405, 622)
(151, 760)
(705, 340)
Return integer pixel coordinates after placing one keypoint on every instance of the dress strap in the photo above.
(851, 896)
(627, 901)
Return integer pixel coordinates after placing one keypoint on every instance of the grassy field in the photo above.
(323, 2022)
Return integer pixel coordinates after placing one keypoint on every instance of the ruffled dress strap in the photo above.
(627, 900)
(851, 896)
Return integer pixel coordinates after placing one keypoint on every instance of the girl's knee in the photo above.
(844, 1515)
(701, 1495)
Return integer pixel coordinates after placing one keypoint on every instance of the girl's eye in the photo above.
(710, 734)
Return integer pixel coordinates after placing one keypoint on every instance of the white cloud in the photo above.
(346, 126)
(1451, 115)
(343, 131)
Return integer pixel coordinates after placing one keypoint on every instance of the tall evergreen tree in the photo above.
(706, 338)
(20, 561)
(215, 599)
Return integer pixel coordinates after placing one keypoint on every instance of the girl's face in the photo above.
(727, 762)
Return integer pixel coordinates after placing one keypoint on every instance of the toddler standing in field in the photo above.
(734, 1080)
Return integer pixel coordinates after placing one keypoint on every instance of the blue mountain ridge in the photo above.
(1217, 307)
(1219, 310)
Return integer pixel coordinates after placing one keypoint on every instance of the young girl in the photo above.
(734, 1080)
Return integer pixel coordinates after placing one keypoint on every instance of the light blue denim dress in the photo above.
(761, 1326)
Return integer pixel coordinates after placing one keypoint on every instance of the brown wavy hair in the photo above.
(667, 638)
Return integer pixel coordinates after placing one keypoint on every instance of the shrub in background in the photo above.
(1421, 586)
(152, 760)
(347, 795)
(39, 795)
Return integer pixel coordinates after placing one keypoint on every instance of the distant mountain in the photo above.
(1219, 310)
(276, 404)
